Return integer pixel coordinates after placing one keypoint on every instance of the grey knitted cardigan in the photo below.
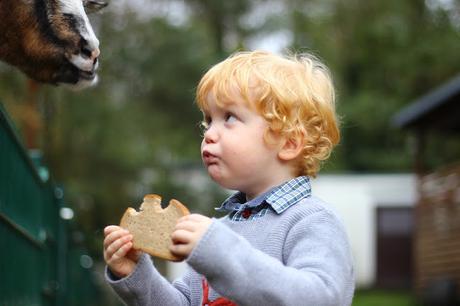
(299, 257)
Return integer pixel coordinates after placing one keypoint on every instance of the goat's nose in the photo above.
(95, 53)
(91, 53)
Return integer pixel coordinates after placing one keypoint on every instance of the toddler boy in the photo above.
(269, 121)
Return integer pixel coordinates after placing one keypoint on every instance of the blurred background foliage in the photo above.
(137, 132)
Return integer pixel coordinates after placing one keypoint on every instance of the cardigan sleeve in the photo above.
(316, 268)
(146, 286)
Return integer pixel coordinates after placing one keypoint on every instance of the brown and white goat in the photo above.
(51, 41)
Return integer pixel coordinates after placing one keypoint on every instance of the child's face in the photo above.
(234, 151)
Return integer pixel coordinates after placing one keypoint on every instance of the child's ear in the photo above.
(291, 148)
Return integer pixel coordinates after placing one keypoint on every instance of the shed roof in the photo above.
(439, 109)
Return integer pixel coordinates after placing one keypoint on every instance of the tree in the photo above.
(383, 54)
(137, 129)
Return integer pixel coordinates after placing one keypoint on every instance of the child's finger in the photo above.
(110, 228)
(117, 234)
(118, 244)
(181, 236)
(181, 250)
(186, 225)
(192, 217)
(122, 251)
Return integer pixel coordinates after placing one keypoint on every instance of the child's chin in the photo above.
(214, 175)
(217, 177)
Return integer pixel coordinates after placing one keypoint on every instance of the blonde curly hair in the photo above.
(294, 94)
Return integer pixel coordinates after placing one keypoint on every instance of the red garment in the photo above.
(217, 302)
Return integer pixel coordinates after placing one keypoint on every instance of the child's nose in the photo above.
(210, 135)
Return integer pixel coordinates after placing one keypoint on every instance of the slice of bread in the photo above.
(152, 226)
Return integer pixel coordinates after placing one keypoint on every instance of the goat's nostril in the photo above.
(86, 52)
(95, 61)
(90, 53)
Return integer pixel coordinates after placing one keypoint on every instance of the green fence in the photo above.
(39, 264)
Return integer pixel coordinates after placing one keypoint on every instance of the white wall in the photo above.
(356, 198)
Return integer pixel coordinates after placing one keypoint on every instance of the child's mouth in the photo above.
(209, 158)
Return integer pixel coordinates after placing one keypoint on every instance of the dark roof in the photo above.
(439, 109)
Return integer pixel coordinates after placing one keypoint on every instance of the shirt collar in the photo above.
(279, 198)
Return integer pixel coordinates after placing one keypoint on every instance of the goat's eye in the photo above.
(92, 6)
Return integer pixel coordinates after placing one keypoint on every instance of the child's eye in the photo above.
(230, 118)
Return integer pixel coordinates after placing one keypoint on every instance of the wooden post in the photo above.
(419, 169)
(419, 152)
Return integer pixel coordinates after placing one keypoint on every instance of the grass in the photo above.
(376, 297)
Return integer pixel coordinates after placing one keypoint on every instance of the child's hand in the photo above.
(188, 232)
(119, 255)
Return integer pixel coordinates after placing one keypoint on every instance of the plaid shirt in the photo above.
(278, 199)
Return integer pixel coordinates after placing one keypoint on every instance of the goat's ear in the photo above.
(92, 6)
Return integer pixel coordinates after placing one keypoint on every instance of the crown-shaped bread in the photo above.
(152, 226)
